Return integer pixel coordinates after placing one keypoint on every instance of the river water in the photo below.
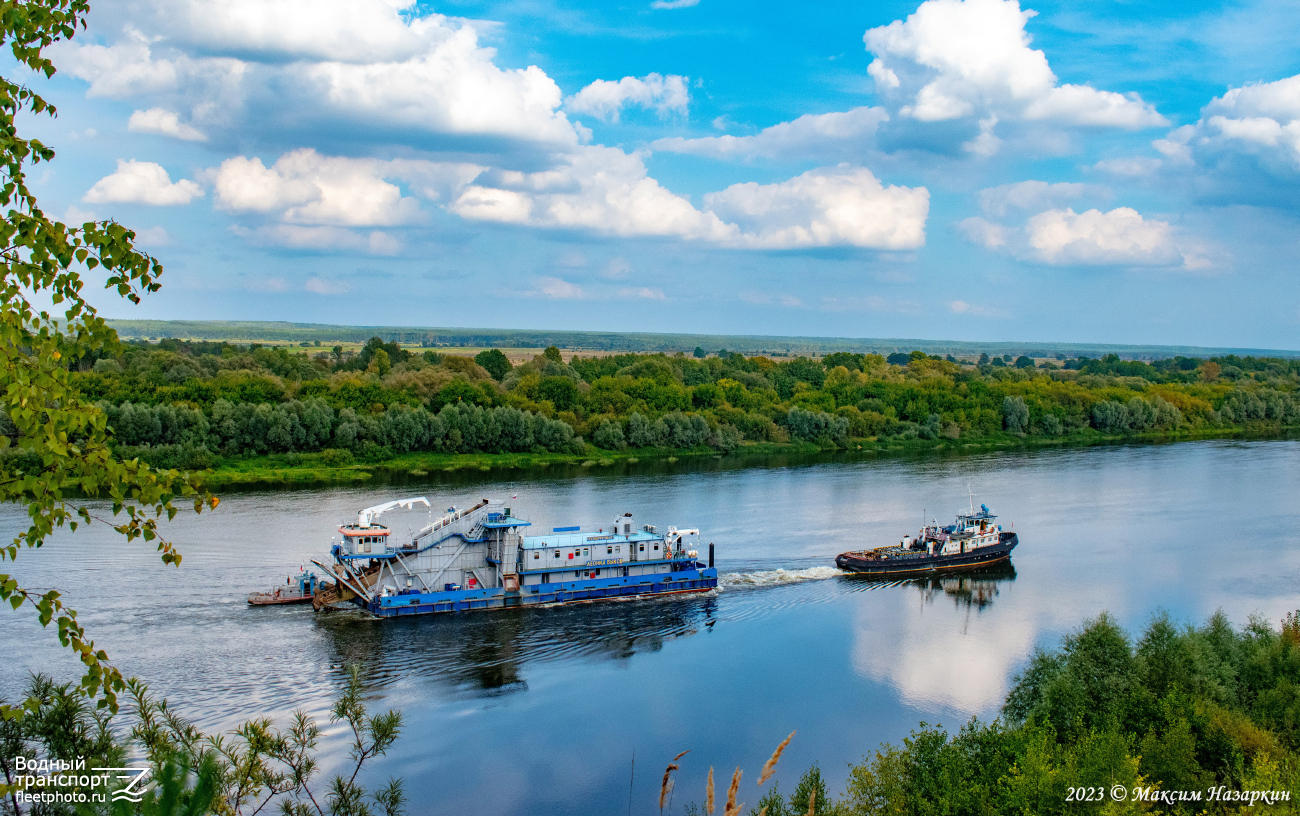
(578, 709)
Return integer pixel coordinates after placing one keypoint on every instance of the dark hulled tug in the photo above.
(975, 540)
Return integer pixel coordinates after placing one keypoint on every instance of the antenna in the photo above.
(972, 498)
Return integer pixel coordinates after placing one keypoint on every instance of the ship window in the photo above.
(557, 553)
(642, 548)
(656, 547)
(609, 550)
(536, 556)
(577, 573)
(619, 548)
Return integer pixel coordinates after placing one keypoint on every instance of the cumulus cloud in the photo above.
(600, 189)
(809, 135)
(954, 59)
(137, 182)
(1261, 121)
(1062, 237)
(826, 207)
(605, 190)
(1119, 237)
(605, 99)
(303, 187)
(165, 123)
(301, 64)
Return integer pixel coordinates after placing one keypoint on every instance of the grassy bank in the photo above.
(294, 470)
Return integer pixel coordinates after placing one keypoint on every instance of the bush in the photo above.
(1015, 415)
(816, 425)
(336, 457)
(609, 435)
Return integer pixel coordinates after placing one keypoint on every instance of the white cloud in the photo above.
(673, 4)
(137, 182)
(559, 289)
(321, 286)
(1063, 237)
(961, 307)
(983, 232)
(826, 207)
(616, 269)
(605, 99)
(643, 292)
(266, 66)
(1262, 120)
(304, 187)
(1130, 166)
(970, 58)
(1119, 237)
(601, 189)
(605, 190)
(165, 123)
(1032, 195)
(810, 134)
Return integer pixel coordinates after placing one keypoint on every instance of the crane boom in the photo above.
(367, 517)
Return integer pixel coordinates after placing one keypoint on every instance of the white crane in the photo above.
(366, 517)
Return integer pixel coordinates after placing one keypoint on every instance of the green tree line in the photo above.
(185, 404)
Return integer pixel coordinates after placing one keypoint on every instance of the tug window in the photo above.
(536, 556)
(619, 548)
(656, 547)
(557, 553)
(642, 548)
(584, 551)
(609, 551)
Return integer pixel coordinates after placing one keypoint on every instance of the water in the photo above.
(540, 711)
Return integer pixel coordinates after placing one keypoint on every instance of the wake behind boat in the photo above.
(974, 541)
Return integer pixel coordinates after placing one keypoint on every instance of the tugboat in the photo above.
(290, 593)
(478, 558)
(974, 541)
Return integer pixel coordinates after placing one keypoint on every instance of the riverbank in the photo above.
(297, 470)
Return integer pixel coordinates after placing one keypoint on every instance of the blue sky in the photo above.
(965, 169)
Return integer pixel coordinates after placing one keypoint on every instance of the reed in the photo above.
(769, 767)
(732, 809)
(708, 794)
(667, 784)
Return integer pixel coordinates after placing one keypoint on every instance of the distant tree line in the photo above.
(206, 400)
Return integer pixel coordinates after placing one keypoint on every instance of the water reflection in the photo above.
(474, 654)
(936, 659)
(975, 589)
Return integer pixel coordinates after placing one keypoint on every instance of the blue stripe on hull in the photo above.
(593, 589)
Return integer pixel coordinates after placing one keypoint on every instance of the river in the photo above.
(578, 709)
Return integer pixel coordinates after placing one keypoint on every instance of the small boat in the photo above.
(300, 591)
(974, 541)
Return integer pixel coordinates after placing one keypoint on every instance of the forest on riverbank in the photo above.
(196, 405)
(1181, 719)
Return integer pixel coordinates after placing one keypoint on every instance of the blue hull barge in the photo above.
(478, 558)
(974, 541)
